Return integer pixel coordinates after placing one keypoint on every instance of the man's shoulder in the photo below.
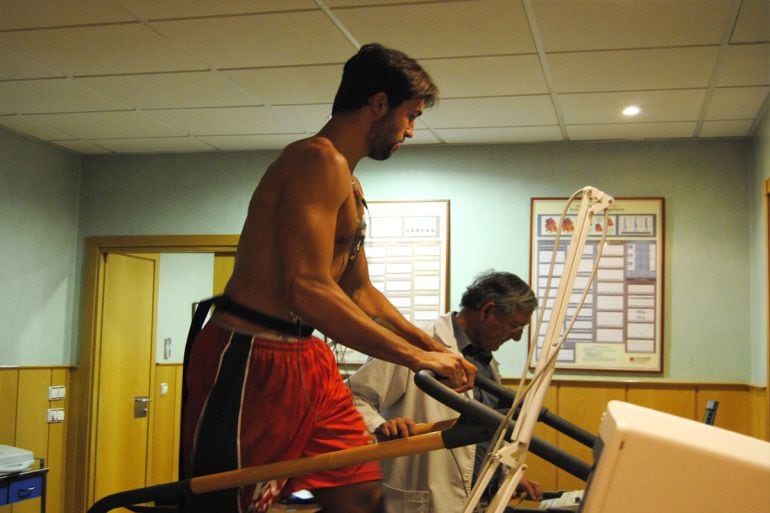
(311, 159)
(315, 148)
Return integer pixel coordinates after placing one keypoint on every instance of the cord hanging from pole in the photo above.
(512, 452)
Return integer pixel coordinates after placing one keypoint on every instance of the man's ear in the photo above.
(378, 103)
(487, 309)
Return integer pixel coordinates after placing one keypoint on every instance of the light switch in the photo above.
(55, 415)
(56, 393)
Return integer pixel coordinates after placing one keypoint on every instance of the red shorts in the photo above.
(253, 400)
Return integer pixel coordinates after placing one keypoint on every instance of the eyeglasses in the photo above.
(514, 320)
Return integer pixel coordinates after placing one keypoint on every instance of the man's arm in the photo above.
(359, 287)
(308, 212)
(376, 386)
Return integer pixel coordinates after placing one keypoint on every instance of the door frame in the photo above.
(766, 211)
(81, 457)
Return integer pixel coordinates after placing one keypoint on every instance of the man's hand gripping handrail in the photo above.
(478, 423)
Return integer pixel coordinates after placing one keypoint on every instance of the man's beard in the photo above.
(382, 141)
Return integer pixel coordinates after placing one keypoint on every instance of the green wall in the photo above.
(758, 269)
(715, 271)
(38, 241)
(705, 185)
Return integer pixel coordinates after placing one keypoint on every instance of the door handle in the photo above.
(141, 406)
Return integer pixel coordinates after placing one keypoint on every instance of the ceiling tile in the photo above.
(753, 24)
(421, 137)
(59, 13)
(154, 10)
(627, 70)
(739, 128)
(172, 90)
(680, 105)
(16, 66)
(250, 142)
(90, 125)
(448, 29)
(99, 50)
(487, 76)
(601, 25)
(297, 84)
(633, 131)
(52, 95)
(26, 126)
(154, 145)
(500, 135)
(736, 102)
(369, 3)
(260, 40)
(745, 65)
(491, 112)
(82, 147)
(225, 121)
(307, 118)
(267, 70)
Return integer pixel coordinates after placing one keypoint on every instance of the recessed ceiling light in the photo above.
(631, 110)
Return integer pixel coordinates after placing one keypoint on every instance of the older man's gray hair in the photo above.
(508, 291)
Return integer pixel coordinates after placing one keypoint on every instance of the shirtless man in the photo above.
(259, 387)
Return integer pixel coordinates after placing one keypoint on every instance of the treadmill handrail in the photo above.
(546, 416)
(473, 411)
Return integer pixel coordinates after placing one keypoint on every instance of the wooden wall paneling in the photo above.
(161, 462)
(676, 401)
(537, 468)
(32, 421)
(758, 405)
(733, 412)
(177, 418)
(583, 405)
(57, 445)
(9, 390)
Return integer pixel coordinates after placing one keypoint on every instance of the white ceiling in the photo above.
(146, 76)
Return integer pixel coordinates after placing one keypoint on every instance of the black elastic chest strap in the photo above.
(226, 304)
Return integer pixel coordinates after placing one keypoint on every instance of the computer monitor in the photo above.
(648, 461)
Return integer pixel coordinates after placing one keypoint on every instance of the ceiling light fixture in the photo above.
(631, 110)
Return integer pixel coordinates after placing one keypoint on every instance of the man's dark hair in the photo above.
(508, 291)
(375, 69)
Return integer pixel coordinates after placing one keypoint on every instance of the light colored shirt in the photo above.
(383, 390)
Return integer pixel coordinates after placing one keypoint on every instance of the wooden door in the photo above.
(125, 372)
(223, 269)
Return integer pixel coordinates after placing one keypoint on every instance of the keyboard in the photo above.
(568, 501)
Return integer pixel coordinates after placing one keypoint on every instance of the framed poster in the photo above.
(407, 249)
(620, 326)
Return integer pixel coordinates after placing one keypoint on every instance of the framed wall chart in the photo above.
(620, 326)
(407, 249)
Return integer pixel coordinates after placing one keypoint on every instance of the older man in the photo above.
(495, 308)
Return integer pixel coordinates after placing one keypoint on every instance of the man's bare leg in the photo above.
(354, 498)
